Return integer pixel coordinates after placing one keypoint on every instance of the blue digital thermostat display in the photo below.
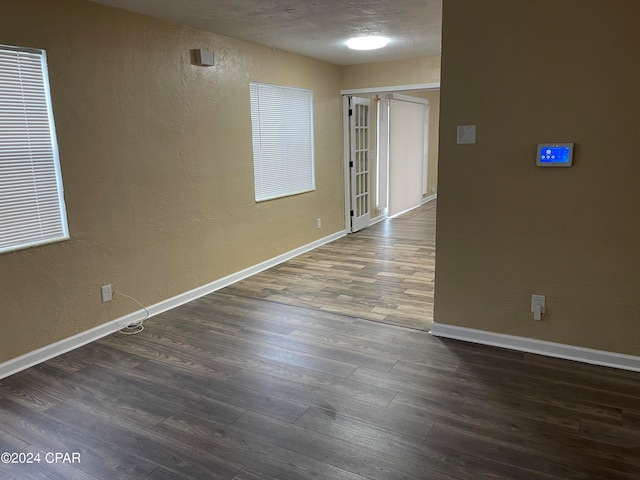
(555, 155)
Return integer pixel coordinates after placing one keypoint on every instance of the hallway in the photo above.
(383, 273)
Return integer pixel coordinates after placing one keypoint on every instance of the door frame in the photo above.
(345, 133)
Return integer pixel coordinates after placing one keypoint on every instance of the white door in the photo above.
(407, 150)
(359, 163)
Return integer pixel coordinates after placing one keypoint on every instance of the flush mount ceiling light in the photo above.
(367, 43)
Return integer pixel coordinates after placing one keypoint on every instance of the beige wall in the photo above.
(157, 166)
(524, 73)
(383, 74)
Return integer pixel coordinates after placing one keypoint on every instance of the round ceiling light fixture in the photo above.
(367, 43)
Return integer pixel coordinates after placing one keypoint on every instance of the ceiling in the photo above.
(314, 28)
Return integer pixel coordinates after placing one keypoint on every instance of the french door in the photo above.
(360, 162)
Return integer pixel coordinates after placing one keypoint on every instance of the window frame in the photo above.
(302, 180)
(42, 180)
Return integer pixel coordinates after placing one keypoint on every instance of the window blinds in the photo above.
(32, 210)
(282, 133)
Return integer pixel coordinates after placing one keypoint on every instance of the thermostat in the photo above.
(554, 155)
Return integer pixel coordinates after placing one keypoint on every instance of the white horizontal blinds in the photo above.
(282, 126)
(31, 202)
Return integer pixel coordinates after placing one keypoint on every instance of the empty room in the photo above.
(218, 232)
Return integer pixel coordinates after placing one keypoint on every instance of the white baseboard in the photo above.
(428, 199)
(377, 219)
(422, 202)
(540, 347)
(399, 214)
(63, 346)
(384, 216)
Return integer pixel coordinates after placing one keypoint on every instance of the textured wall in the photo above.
(527, 72)
(384, 74)
(157, 166)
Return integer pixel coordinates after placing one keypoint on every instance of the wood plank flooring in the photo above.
(241, 388)
(384, 273)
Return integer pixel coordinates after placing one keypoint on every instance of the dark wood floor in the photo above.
(235, 387)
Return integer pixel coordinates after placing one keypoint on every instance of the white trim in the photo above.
(408, 98)
(378, 219)
(391, 88)
(40, 355)
(37, 216)
(425, 149)
(540, 347)
(409, 209)
(428, 199)
(382, 155)
(347, 172)
(30, 359)
(272, 131)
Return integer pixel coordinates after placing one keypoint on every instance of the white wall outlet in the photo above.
(319, 223)
(538, 306)
(107, 293)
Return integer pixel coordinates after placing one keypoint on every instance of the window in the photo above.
(282, 125)
(32, 210)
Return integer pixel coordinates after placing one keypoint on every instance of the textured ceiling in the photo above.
(314, 28)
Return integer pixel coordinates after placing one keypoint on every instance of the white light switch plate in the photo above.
(466, 134)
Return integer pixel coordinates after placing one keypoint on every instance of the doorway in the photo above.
(390, 152)
(408, 158)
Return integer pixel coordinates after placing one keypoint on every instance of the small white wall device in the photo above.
(204, 58)
(555, 155)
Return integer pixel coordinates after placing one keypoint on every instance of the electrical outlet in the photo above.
(538, 306)
(107, 293)
(319, 223)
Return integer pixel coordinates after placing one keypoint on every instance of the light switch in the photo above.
(466, 134)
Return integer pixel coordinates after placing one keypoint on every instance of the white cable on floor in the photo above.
(135, 327)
